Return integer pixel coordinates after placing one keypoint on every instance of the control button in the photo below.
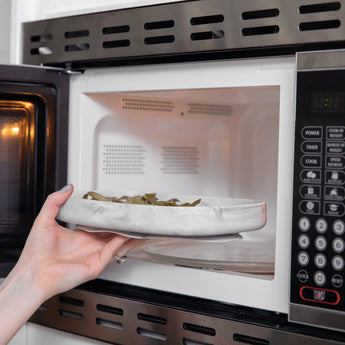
(303, 241)
(311, 161)
(335, 147)
(335, 162)
(311, 176)
(320, 278)
(304, 224)
(338, 245)
(303, 276)
(312, 132)
(312, 147)
(339, 227)
(334, 177)
(303, 258)
(321, 225)
(310, 192)
(337, 281)
(309, 207)
(320, 243)
(334, 193)
(320, 260)
(335, 209)
(338, 263)
(337, 132)
(319, 295)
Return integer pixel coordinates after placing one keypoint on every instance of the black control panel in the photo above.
(318, 235)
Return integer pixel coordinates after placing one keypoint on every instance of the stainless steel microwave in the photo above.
(215, 98)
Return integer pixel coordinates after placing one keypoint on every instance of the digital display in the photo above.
(328, 102)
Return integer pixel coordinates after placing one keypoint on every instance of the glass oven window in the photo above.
(16, 161)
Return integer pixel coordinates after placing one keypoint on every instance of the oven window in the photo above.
(16, 161)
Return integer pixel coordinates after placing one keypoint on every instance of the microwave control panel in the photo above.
(318, 234)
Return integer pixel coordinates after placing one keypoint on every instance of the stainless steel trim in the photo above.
(325, 318)
(127, 322)
(321, 60)
(183, 28)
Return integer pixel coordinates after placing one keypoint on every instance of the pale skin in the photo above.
(55, 259)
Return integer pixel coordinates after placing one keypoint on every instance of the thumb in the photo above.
(52, 205)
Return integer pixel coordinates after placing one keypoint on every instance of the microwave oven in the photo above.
(213, 98)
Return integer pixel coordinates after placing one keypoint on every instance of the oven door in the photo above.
(33, 121)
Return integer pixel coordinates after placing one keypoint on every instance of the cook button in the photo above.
(311, 161)
(312, 132)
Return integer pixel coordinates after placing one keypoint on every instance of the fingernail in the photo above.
(66, 188)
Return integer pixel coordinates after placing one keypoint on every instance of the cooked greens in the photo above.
(144, 199)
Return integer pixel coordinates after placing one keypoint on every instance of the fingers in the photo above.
(52, 205)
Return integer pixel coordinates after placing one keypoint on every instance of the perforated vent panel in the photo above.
(124, 321)
(188, 27)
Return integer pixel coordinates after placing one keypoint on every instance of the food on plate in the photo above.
(144, 199)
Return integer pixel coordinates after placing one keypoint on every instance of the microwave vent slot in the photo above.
(147, 105)
(151, 334)
(259, 14)
(123, 159)
(78, 33)
(119, 29)
(260, 30)
(209, 109)
(109, 324)
(322, 7)
(320, 25)
(151, 318)
(180, 160)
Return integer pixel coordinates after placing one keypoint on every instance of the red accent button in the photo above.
(313, 294)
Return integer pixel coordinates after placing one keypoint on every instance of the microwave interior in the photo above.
(207, 142)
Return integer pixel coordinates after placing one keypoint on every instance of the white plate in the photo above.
(213, 217)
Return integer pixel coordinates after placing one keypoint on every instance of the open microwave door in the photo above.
(33, 150)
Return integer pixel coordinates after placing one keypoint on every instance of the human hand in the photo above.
(61, 258)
